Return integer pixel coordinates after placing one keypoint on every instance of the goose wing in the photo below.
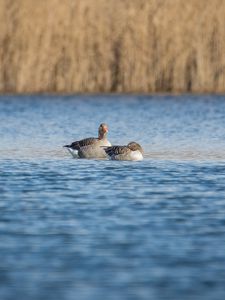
(77, 145)
(116, 150)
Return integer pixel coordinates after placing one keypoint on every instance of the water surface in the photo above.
(97, 229)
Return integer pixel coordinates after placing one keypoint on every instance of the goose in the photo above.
(133, 151)
(91, 147)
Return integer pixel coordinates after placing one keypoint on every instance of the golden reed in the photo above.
(138, 46)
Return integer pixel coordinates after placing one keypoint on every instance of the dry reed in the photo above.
(112, 46)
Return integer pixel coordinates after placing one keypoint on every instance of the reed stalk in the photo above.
(139, 46)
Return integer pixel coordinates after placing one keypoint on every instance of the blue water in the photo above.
(99, 229)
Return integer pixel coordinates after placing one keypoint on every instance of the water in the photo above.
(89, 229)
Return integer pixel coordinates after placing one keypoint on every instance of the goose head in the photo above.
(135, 147)
(102, 131)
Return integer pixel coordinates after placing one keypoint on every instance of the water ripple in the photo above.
(128, 230)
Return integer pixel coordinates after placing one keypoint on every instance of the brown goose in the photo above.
(133, 151)
(91, 147)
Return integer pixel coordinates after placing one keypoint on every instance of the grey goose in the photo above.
(91, 147)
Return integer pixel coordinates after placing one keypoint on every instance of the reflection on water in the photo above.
(168, 127)
(153, 229)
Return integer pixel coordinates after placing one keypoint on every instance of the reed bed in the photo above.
(139, 46)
